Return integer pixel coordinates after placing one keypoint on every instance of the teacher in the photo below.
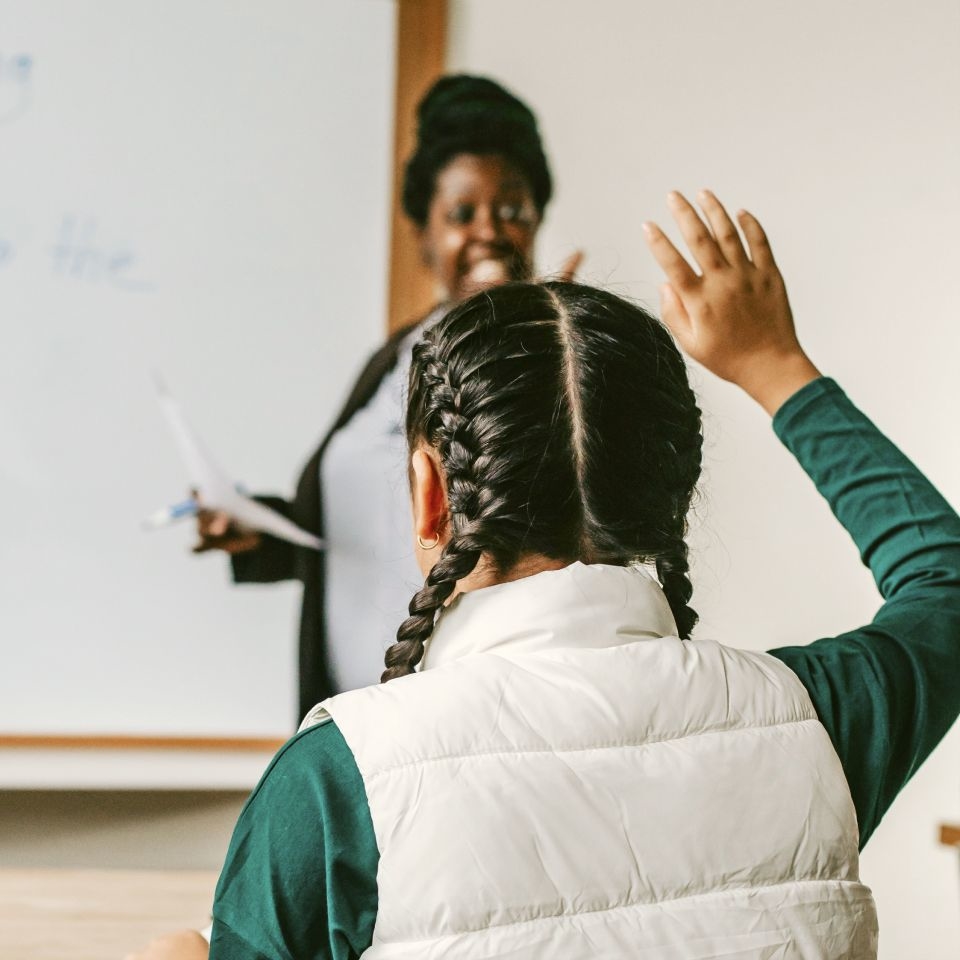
(475, 189)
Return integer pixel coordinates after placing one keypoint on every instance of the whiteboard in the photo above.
(201, 189)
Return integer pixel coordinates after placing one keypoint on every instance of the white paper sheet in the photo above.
(215, 489)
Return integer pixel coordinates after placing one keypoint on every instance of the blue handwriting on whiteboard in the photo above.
(78, 254)
(16, 75)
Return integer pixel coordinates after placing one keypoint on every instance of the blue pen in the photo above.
(186, 508)
(179, 511)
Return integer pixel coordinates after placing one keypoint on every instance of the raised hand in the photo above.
(733, 316)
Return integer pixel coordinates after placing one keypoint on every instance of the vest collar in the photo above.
(582, 605)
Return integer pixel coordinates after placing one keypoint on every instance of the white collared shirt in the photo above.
(371, 572)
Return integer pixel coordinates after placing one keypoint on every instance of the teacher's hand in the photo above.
(570, 266)
(219, 531)
(734, 316)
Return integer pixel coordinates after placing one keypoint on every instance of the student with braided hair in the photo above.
(516, 401)
(551, 768)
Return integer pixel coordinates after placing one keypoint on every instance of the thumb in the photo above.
(570, 266)
(674, 315)
(219, 524)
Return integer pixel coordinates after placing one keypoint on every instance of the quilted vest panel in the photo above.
(656, 798)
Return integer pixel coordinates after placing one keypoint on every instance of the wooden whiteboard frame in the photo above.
(421, 57)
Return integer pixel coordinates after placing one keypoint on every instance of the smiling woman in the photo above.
(477, 185)
(475, 190)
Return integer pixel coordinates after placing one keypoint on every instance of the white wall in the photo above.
(837, 124)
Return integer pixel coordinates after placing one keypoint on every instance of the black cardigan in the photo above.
(276, 560)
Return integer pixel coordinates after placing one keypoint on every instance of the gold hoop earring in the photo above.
(428, 546)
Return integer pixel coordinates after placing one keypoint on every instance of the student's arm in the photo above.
(300, 877)
(889, 691)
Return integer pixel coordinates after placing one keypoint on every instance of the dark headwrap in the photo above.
(465, 114)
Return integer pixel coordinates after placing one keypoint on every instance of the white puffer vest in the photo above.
(567, 779)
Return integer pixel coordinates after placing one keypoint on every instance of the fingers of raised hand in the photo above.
(680, 274)
(674, 315)
(703, 246)
(760, 252)
(724, 229)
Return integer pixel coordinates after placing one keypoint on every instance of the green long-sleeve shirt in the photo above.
(300, 875)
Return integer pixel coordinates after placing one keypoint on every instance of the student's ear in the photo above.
(430, 507)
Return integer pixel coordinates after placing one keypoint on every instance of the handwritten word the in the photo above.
(78, 254)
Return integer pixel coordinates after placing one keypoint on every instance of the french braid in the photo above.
(672, 561)
(672, 569)
(455, 563)
(452, 435)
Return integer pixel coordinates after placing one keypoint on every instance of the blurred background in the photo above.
(207, 190)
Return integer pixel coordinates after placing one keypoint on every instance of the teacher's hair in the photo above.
(465, 114)
(565, 426)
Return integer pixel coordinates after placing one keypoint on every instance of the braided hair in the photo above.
(565, 427)
(465, 114)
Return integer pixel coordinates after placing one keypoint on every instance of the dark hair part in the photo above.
(465, 114)
(566, 427)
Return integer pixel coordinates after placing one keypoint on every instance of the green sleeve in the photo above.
(889, 691)
(300, 877)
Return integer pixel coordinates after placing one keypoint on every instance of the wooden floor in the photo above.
(97, 914)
